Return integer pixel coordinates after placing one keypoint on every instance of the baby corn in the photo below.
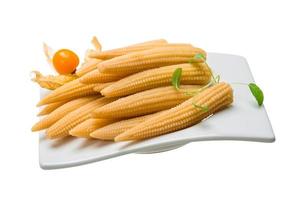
(153, 58)
(184, 115)
(60, 112)
(129, 49)
(97, 77)
(88, 66)
(88, 126)
(109, 132)
(62, 127)
(69, 91)
(196, 73)
(143, 103)
(50, 107)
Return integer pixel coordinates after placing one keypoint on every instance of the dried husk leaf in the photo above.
(52, 82)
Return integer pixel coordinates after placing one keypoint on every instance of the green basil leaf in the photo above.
(201, 107)
(176, 77)
(257, 93)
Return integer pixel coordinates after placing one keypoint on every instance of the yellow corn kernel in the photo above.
(196, 73)
(50, 107)
(129, 49)
(182, 116)
(110, 131)
(148, 59)
(69, 91)
(88, 126)
(62, 127)
(145, 102)
(97, 77)
(60, 112)
(88, 66)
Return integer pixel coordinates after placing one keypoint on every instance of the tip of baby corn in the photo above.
(76, 133)
(94, 135)
(40, 114)
(100, 136)
(107, 92)
(41, 103)
(123, 137)
(38, 126)
(35, 128)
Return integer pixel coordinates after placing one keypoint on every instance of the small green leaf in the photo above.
(257, 93)
(201, 107)
(176, 77)
(197, 57)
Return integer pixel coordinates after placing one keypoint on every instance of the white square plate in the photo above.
(244, 120)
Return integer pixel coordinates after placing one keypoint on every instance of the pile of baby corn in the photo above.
(126, 94)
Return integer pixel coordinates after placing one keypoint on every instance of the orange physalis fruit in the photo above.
(65, 61)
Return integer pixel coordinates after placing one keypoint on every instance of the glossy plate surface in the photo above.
(244, 120)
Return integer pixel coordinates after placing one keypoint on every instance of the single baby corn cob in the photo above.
(69, 91)
(60, 112)
(153, 58)
(196, 73)
(50, 107)
(184, 115)
(110, 131)
(88, 126)
(97, 77)
(105, 55)
(143, 103)
(99, 87)
(62, 127)
(129, 49)
(88, 66)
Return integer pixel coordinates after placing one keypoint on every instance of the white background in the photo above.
(265, 32)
